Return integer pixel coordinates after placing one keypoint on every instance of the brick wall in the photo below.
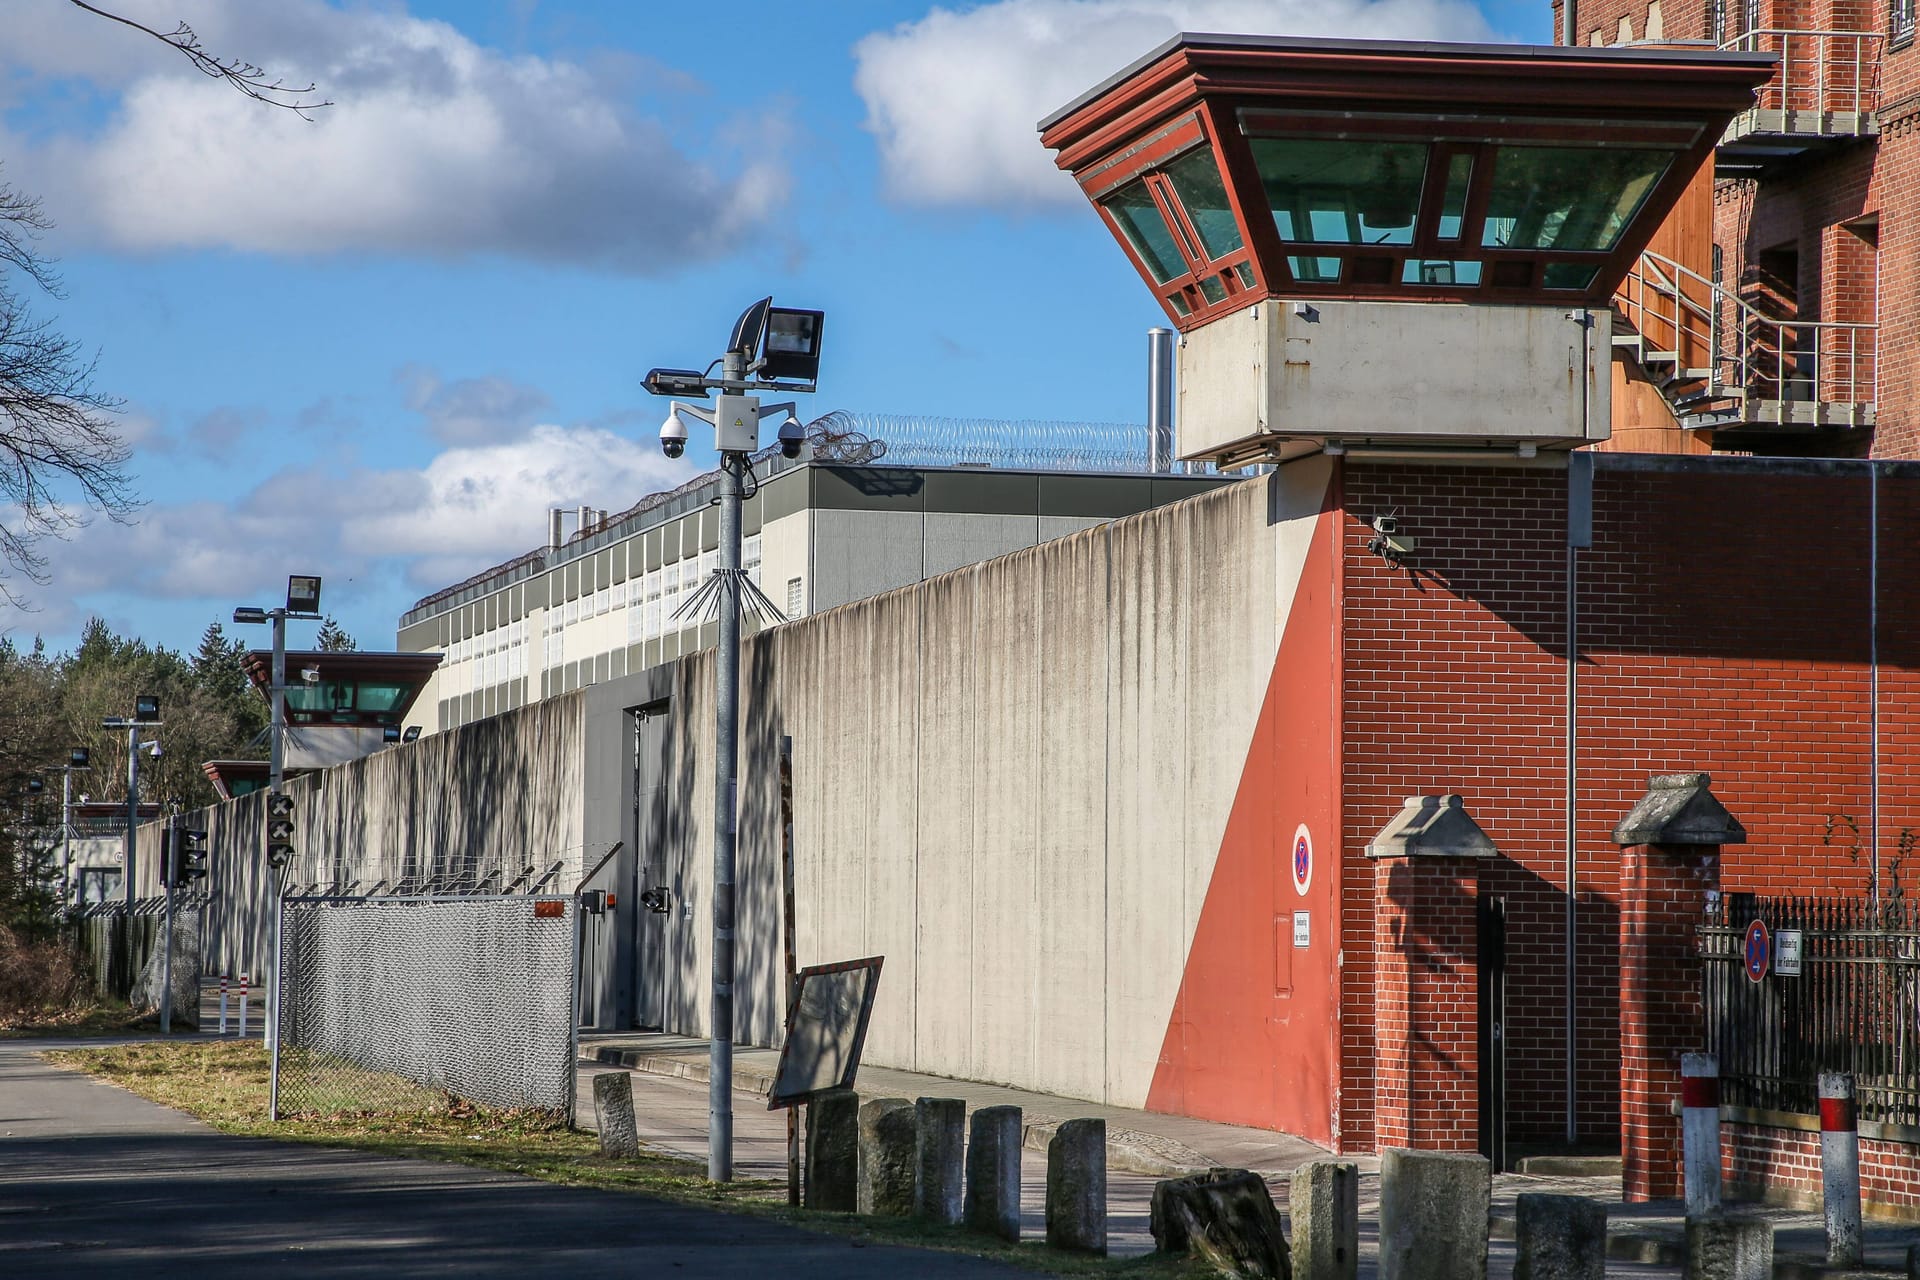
(1425, 1028)
(1724, 626)
(1784, 1165)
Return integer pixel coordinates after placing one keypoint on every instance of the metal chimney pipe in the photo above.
(556, 528)
(1160, 400)
(586, 519)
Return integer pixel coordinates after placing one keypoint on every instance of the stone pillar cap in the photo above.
(1432, 827)
(1679, 808)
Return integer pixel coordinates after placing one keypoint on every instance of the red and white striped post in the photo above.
(1700, 1131)
(223, 1004)
(1840, 1169)
(243, 1006)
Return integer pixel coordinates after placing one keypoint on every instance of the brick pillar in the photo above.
(1426, 976)
(1669, 863)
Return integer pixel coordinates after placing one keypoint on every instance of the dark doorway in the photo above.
(652, 892)
(1491, 914)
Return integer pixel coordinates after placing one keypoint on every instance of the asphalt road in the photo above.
(97, 1182)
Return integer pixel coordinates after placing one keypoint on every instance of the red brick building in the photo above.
(1799, 332)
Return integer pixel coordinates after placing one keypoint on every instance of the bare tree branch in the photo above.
(239, 73)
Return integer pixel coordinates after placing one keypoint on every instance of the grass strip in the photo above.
(224, 1083)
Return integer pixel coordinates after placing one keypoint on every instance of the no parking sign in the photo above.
(1302, 860)
(1757, 956)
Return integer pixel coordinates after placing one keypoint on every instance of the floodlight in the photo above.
(792, 345)
(412, 734)
(247, 613)
(35, 786)
(78, 758)
(390, 733)
(303, 593)
(146, 708)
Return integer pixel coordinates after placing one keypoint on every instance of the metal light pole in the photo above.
(775, 349)
(133, 807)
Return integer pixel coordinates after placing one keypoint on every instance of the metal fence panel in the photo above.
(390, 1003)
(1854, 1007)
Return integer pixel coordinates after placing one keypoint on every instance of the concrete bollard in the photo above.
(613, 1112)
(1559, 1238)
(223, 1004)
(1840, 1169)
(1723, 1246)
(1077, 1186)
(1700, 1131)
(886, 1158)
(939, 1127)
(833, 1151)
(1323, 1200)
(993, 1173)
(1433, 1215)
(243, 1006)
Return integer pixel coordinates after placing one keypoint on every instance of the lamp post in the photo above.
(303, 601)
(78, 758)
(772, 349)
(146, 711)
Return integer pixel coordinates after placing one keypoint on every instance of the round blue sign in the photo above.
(1302, 859)
(1757, 958)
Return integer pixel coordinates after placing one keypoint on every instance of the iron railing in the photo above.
(1852, 1008)
(1827, 79)
(1737, 352)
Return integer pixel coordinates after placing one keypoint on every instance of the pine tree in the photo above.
(334, 638)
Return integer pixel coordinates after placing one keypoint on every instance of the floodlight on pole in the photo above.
(771, 349)
(146, 712)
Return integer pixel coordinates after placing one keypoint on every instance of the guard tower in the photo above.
(1371, 245)
(343, 705)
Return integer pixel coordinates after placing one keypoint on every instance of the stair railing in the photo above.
(1827, 72)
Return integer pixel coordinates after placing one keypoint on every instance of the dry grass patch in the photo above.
(224, 1082)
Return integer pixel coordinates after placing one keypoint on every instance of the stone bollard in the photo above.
(1722, 1246)
(1324, 1202)
(1077, 1186)
(1840, 1169)
(886, 1157)
(939, 1126)
(1700, 1131)
(613, 1112)
(1559, 1238)
(993, 1172)
(833, 1151)
(1433, 1215)
(1227, 1217)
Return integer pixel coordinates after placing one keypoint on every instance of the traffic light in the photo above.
(190, 862)
(279, 829)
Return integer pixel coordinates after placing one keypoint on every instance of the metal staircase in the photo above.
(1724, 365)
(1825, 94)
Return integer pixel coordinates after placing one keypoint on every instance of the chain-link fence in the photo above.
(392, 1004)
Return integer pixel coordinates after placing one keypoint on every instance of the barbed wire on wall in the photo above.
(916, 440)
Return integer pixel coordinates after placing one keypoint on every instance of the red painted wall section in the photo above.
(1254, 1034)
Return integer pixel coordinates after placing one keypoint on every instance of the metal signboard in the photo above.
(1756, 954)
(832, 1004)
(1786, 953)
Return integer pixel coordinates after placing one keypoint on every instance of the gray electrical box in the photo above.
(736, 424)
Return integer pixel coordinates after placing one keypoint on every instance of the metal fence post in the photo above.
(277, 1001)
(573, 1009)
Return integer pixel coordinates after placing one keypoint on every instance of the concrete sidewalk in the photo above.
(670, 1097)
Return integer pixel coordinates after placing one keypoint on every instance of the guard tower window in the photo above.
(1576, 199)
(1133, 208)
(1181, 224)
(1339, 191)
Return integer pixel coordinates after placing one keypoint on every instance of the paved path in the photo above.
(97, 1182)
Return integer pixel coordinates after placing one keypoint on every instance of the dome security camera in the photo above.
(673, 434)
(792, 436)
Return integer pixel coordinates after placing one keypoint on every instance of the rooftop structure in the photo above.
(342, 705)
(1497, 188)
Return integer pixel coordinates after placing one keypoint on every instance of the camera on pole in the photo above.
(279, 828)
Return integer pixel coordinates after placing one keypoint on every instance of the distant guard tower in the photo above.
(1372, 245)
(341, 705)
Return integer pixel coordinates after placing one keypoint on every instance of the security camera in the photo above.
(310, 674)
(153, 749)
(658, 901)
(673, 434)
(792, 436)
(1388, 525)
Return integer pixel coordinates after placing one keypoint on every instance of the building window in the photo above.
(1900, 26)
(795, 601)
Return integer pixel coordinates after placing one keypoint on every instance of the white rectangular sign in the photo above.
(1302, 928)
(1786, 953)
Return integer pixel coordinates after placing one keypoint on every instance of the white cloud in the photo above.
(468, 508)
(953, 98)
(470, 411)
(435, 145)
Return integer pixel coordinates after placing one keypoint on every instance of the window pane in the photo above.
(1342, 192)
(1568, 275)
(1315, 270)
(1139, 217)
(1245, 273)
(1567, 197)
(1453, 207)
(1211, 286)
(1179, 304)
(1196, 179)
(1438, 271)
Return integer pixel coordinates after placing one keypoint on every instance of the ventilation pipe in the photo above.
(556, 528)
(1160, 400)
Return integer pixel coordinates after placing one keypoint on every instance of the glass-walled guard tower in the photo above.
(1369, 244)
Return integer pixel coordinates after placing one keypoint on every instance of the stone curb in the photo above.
(1127, 1149)
(1657, 1249)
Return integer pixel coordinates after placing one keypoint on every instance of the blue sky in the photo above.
(378, 346)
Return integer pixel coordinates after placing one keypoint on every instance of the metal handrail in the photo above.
(1845, 68)
(1735, 349)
